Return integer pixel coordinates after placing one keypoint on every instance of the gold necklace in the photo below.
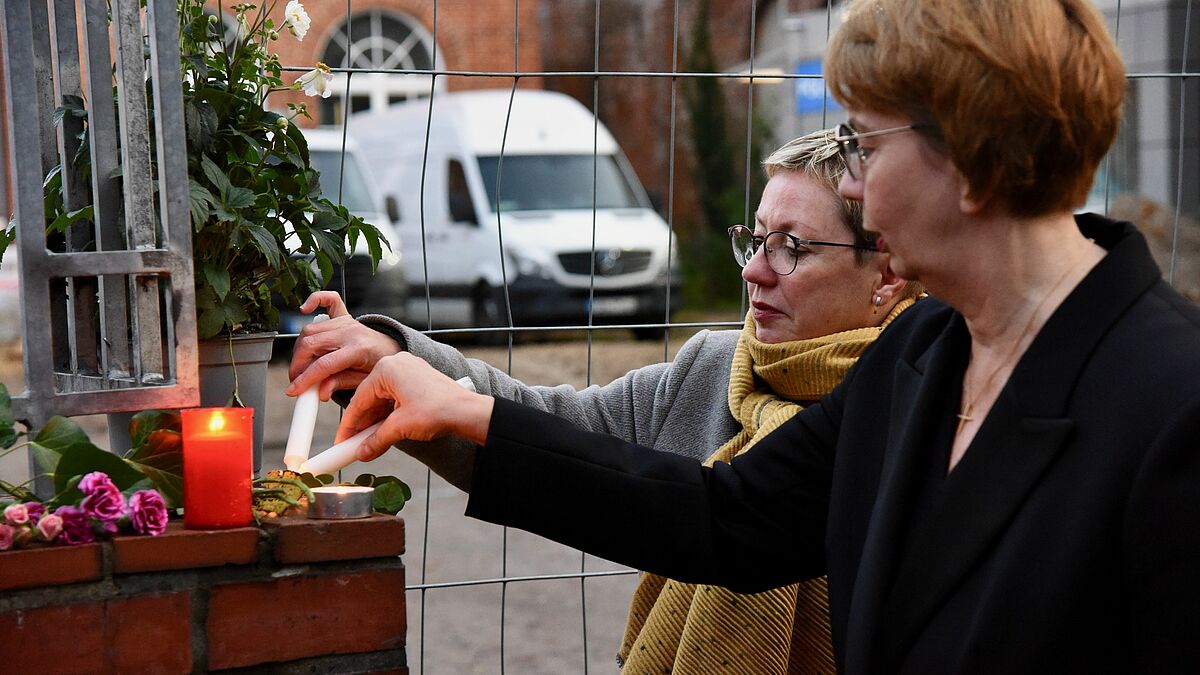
(964, 415)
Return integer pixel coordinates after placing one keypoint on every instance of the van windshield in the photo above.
(355, 194)
(552, 182)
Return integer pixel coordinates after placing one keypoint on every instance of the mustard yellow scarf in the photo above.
(687, 629)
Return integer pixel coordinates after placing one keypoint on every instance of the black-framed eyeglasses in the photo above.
(854, 154)
(783, 249)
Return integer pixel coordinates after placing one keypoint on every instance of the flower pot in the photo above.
(248, 355)
(219, 358)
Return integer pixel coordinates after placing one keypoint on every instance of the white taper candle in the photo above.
(304, 419)
(342, 455)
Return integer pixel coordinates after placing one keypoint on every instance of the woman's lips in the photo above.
(762, 311)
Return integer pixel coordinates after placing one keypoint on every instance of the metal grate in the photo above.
(112, 298)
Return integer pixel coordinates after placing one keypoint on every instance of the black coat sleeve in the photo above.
(755, 524)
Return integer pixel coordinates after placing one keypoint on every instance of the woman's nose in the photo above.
(757, 271)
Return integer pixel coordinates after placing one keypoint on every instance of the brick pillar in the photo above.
(297, 595)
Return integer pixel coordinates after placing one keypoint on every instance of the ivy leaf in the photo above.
(391, 497)
(8, 430)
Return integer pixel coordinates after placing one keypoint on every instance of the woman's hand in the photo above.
(414, 402)
(336, 354)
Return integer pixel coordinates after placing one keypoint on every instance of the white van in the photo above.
(385, 291)
(541, 216)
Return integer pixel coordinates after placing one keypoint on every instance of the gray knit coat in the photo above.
(681, 406)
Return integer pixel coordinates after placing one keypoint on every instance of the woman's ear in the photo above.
(889, 286)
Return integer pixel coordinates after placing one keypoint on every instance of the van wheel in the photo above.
(487, 311)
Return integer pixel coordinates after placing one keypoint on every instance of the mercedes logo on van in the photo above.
(608, 262)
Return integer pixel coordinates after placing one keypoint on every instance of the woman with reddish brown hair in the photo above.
(1007, 480)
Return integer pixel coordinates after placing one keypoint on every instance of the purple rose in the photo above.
(6, 537)
(104, 501)
(76, 525)
(49, 526)
(35, 510)
(148, 512)
(16, 514)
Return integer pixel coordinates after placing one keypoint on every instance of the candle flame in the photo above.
(216, 422)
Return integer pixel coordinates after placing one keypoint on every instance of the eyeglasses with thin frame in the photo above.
(783, 249)
(854, 154)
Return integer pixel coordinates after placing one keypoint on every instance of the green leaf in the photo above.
(215, 175)
(59, 434)
(239, 198)
(218, 277)
(145, 423)
(329, 244)
(315, 481)
(64, 220)
(199, 199)
(209, 323)
(8, 429)
(325, 265)
(83, 457)
(391, 497)
(170, 485)
(264, 241)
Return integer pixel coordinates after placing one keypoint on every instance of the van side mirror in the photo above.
(393, 208)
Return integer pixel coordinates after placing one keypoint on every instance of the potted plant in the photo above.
(261, 230)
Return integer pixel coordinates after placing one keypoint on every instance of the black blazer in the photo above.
(1067, 540)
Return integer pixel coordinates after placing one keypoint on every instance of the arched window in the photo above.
(377, 39)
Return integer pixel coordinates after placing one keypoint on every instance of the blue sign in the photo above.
(811, 94)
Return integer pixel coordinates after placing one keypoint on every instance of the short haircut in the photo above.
(817, 155)
(1024, 96)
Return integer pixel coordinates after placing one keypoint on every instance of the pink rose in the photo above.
(96, 480)
(35, 510)
(148, 512)
(16, 514)
(6, 537)
(76, 525)
(49, 526)
(23, 536)
(104, 501)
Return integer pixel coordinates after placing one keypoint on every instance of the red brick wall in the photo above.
(299, 594)
(472, 35)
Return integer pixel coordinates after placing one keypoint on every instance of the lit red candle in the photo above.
(217, 459)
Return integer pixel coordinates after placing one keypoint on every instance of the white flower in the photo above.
(296, 19)
(316, 81)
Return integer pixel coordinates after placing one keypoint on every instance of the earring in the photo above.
(878, 300)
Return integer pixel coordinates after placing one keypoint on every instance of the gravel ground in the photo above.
(533, 626)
